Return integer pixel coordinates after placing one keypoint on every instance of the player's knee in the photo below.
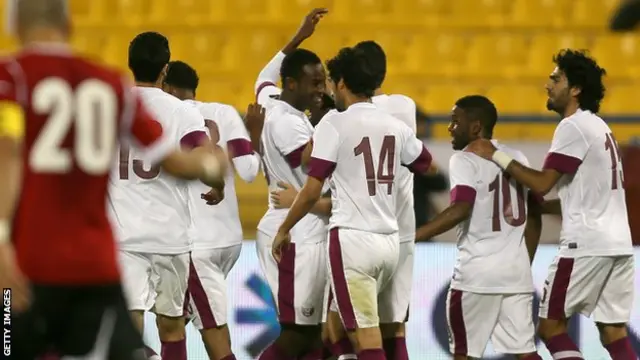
(392, 330)
(170, 325)
(611, 332)
(548, 328)
(368, 338)
(300, 337)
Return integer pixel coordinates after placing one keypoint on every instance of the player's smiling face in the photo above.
(311, 86)
(460, 128)
(558, 91)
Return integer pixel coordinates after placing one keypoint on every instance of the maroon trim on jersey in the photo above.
(343, 298)
(240, 147)
(294, 158)
(262, 86)
(456, 323)
(200, 299)
(286, 285)
(320, 168)
(558, 293)
(422, 163)
(462, 193)
(562, 163)
(194, 139)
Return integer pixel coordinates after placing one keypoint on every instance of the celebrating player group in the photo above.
(118, 199)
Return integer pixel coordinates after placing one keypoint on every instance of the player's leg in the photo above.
(613, 309)
(360, 264)
(298, 285)
(99, 326)
(394, 305)
(28, 338)
(136, 283)
(172, 272)
(471, 319)
(340, 345)
(514, 333)
(208, 293)
(573, 285)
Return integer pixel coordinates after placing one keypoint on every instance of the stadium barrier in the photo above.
(252, 316)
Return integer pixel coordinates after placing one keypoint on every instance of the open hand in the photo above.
(309, 23)
(213, 197)
(254, 117)
(283, 199)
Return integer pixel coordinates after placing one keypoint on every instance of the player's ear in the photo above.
(340, 85)
(290, 83)
(575, 91)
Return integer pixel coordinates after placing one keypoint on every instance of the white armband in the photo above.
(502, 159)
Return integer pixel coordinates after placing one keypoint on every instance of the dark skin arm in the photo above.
(552, 207)
(539, 181)
(306, 29)
(445, 221)
(254, 122)
(533, 229)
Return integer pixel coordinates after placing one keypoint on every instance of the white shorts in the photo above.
(506, 319)
(299, 281)
(155, 281)
(361, 265)
(393, 301)
(207, 294)
(598, 285)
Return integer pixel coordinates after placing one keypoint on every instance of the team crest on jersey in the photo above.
(308, 312)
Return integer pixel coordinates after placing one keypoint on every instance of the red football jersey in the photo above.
(75, 113)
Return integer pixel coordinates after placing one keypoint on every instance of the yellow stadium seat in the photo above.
(119, 13)
(540, 53)
(496, 55)
(442, 54)
(426, 13)
(479, 13)
(518, 99)
(591, 14)
(538, 13)
(621, 99)
(618, 54)
(440, 98)
(208, 53)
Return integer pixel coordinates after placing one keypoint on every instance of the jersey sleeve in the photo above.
(245, 161)
(568, 149)
(291, 135)
(414, 155)
(462, 179)
(192, 131)
(139, 124)
(12, 117)
(268, 78)
(324, 156)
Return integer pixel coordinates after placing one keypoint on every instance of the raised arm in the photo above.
(270, 74)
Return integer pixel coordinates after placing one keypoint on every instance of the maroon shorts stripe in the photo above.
(286, 282)
(343, 299)
(200, 299)
(456, 322)
(558, 294)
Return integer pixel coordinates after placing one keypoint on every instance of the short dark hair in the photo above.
(377, 58)
(582, 71)
(293, 64)
(182, 75)
(354, 68)
(480, 108)
(148, 54)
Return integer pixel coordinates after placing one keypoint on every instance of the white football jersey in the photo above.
(148, 207)
(285, 134)
(403, 108)
(219, 225)
(360, 150)
(492, 253)
(591, 190)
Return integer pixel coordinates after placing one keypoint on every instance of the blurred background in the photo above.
(438, 51)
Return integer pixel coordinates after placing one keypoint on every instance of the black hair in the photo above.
(148, 55)
(582, 71)
(480, 108)
(182, 75)
(377, 58)
(354, 68)
(293, 64)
